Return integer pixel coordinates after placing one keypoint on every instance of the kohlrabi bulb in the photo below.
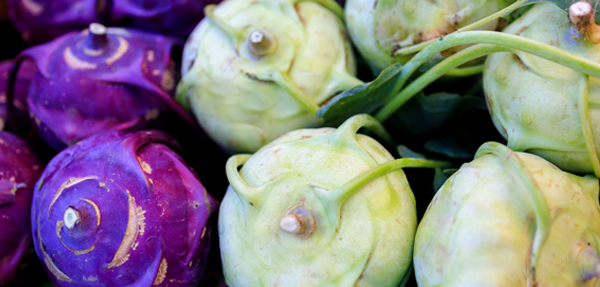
(19, 170)
(541, 106)
(254, 70)
(380, 27)
(121, 209)
(100, 80)
(510, 219)
(318, 207)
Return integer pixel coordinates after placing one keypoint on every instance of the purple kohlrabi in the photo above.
(19, 170)
(99, 80)
(39, 21)
(19, 105)
(121, 209)
(170, 17)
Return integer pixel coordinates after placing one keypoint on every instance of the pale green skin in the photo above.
(535, 105)
(376, 26)
(478, 230)
(364, 238)
(242, 114)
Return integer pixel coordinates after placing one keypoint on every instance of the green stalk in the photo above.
(416, 48)
(543, 219)
(351, 126)
(513, 42)
(584, 117)
(435, 73)
(238, 184)
(465, 72)
(345, 191)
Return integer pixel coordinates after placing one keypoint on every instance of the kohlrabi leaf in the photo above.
(365, 98)
(424, 115)
(440, 177)
(405, 152)
(452, 146)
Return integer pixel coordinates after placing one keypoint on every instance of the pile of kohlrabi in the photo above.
(299, 143)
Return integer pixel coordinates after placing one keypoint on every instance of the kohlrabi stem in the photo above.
(433, 74)
(96, 39)
(238, 184)
(345, 191)
(466, 71)
(584, 118)
(514, 42)
(581, 16)
(71, 217)
(416, 48)
(261, 44)
(284, 81)
(543, 219)
(351, 126)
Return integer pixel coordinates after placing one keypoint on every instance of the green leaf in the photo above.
(365, 98)
(423, 114)
(451, 146)
(405, 152)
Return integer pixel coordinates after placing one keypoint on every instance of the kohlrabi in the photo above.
(510, 219)
(39, 21)
(15, 113)
(19, 170)
(253, 70)
(121, 209)
(319, 207)
(99, 80)
(379, 27)
(543, 107)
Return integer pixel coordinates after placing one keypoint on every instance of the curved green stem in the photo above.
(514, 42)
(345, 191)
(234, 34)
(433, 74)
(416, 48)
(466, 71)
(284, 81)
(351, 126)
(543, 219)
(584, 117)
(238, 184)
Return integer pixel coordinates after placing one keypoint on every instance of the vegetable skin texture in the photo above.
(122, 209)
(482, 226)
(362, 236)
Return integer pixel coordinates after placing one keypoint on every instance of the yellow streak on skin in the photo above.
(96, 209)
(123, 47)
(59, 226)
(70, 182)
(76, 63)
(162, 272)
(49, 263)
(145, 166)
(130, 237)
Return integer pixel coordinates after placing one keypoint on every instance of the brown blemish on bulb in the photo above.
(168, 81)
(152, 114)
(32, 7)
(145, 166)
(520, 62)
(150, 56)
(57, 272)
(162, 272)
(141, 220)
(59, 225)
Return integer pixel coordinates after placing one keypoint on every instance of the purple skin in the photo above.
(109, 80)
(39, 21)
(141, 214)
(19, 170)
(26, 72)
(171, 17)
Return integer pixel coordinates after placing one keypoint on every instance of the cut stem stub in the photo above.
(581, 16)
(71, 218)
(298, 222)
